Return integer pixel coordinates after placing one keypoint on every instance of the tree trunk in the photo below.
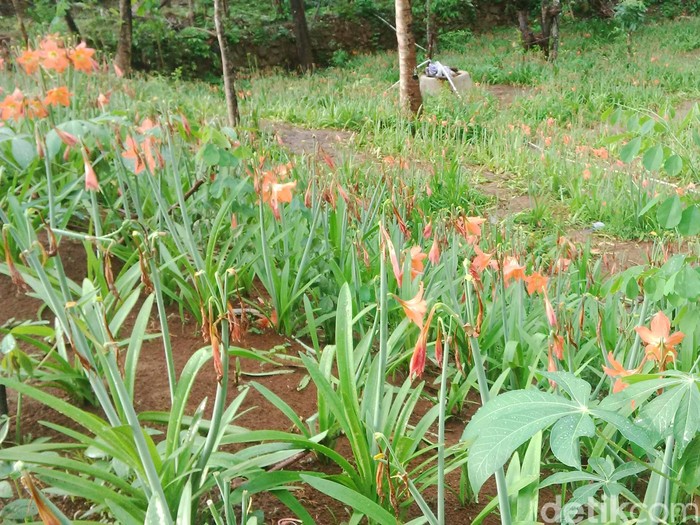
(430, 30)
(554, 32)
(526, 34)
(226, 66)
(409, 90)
(70, 22)
(4, 410)
(301, 35)
(20, 21)
(549, 42)
(190, 12)
(123, 57)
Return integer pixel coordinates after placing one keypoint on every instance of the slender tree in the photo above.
(190, 12)
(548, 39)
(301, 35)
(20, 21)
(68, 17)
(123, 58)
(409, 90)
(226, 65)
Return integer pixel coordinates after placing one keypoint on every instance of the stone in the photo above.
(434, 86)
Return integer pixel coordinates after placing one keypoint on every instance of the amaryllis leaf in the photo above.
(362, 504)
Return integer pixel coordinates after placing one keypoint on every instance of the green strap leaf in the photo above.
(373, 511)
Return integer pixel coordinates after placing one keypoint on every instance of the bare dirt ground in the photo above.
(151, 394)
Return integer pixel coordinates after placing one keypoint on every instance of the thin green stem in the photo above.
(441, 440)
(383, 340)
(164, 330)
(501, 486)
(632, 361)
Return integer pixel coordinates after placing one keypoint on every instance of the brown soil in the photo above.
(151, 394)
(507, 93)
(310, 142)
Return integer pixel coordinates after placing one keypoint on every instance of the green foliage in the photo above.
(630, 14)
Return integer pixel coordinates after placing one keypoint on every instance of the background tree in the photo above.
(409, 90)
(301, 35)
(124, 45)
(548, 39)
(226, 65)
(20, 21)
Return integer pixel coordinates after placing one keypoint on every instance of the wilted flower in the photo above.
(417, 365)
(396, 267)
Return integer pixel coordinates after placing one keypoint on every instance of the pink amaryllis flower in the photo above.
(417, 257)
(417, 365)
(660, 343)
(91, 182)
(434, 253)
(395, 266)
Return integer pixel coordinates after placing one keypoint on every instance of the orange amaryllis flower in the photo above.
(473, 225)
(35, 109)
(536, 283)
(417, 257)
(274, 192)
(91, 182)
(616, 370)
(481, 261)
(512, 270)
(81, 57)
(396, 267)
(660, 344)
(53, 55)
(470, 228)
(415, 308)
(434, 253)
(30, 61)
(133, 153)
(59, 96)
(103, 100)
(12, 107)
